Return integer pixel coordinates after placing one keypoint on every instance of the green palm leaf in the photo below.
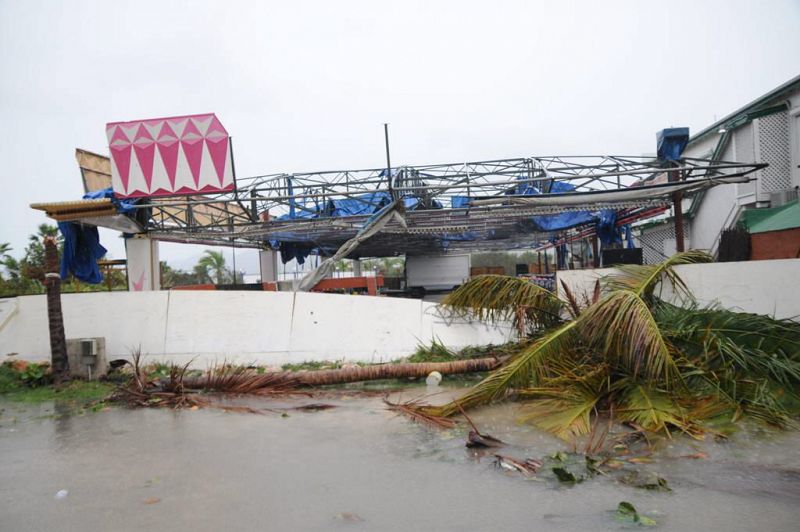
(500, 297)
(642, 279)
(652, 409)
(526, 368)
(564, 412)
(623, 328)
(741, 343)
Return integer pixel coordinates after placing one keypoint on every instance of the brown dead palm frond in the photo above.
(414, 410)
(573, 307)
(241, 380)
(498, 297)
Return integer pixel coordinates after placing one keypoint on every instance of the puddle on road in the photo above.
(357, 466)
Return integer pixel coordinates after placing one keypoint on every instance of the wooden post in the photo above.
(55, 317)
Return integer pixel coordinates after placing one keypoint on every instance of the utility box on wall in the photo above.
(87, 357)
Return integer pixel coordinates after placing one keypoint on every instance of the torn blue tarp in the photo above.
(123, 206)
(368, 203)
(606, 228)
(82, 250)
(460, 202)
(557, 222)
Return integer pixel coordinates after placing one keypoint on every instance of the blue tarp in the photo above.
(123, 206)
(606, 228)
(82, 250)
(366, 204)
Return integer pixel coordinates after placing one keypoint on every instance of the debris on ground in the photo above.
(348, 517)
(411, 410)
(627, 513)
(527, 467)
(477, 440)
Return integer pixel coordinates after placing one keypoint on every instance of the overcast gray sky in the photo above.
(307, 85)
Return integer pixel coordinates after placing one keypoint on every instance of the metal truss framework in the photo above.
(493, 211)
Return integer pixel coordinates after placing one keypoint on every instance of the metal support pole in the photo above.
(677, 204)
(388, 160)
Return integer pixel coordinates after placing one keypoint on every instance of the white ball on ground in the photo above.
(434, 378)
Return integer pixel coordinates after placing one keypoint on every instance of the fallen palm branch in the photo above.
(666, 368)
(527, 467)
(477, 440)
(226, 378)
(411, 370)
(411, 410)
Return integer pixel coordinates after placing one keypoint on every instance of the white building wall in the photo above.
(762, 287)
(241, 326)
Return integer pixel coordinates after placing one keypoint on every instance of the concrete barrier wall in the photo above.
(764, 287)
(261, 327)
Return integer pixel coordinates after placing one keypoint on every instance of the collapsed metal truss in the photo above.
(463, 206)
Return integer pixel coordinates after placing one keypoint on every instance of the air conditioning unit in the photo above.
(89, 347)
(776, 199)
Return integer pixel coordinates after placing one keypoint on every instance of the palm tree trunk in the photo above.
(393, 371)
(55, 318)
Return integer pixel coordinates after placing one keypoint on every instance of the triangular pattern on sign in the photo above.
(190, 132)
(202, 122)
(193, 150)
(218, 149)
(145, 155)
(137, 184)
(177, 124)
(118, 138)
(153, 127)
(166, 133)
(122, 160)
(208, 175)
(183, 175)
(169, 157)
(215, 129)
(142, 135)
(161, 181)
(129, 130)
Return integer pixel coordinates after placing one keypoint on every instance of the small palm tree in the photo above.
(631, 355)
(213, 262)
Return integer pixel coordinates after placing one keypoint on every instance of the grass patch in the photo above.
(312, 365)
(77, 391)
(438, 352)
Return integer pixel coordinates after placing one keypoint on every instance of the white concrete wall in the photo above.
(240, 326)
(764, 286)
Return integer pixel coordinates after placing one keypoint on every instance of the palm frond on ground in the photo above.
(500, 297)
(523, 370)
(565, 406)
(658, 366)
(624, 331)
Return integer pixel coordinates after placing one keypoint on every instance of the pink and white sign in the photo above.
(167, 156)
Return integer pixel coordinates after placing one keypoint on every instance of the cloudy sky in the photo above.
(306, 86)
